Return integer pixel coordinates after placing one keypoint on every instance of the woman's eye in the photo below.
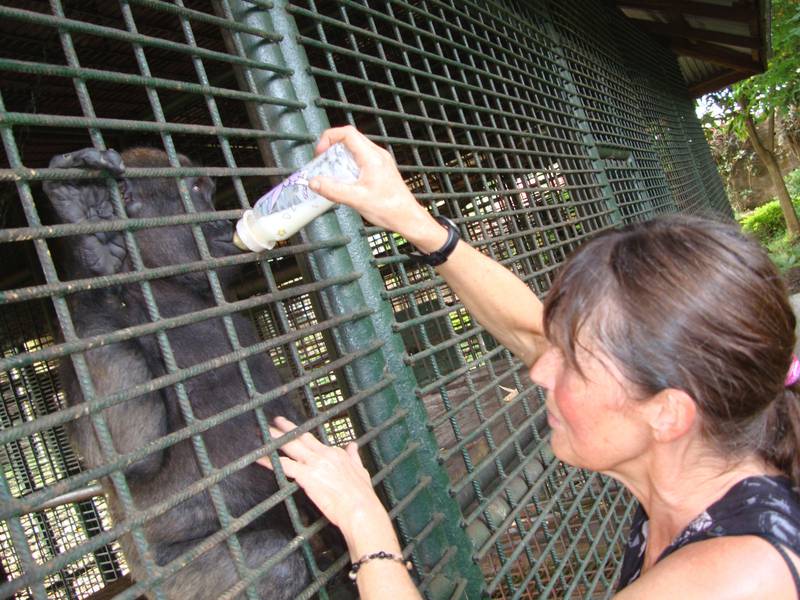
(195, 188)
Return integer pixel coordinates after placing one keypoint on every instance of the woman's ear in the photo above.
(671, 414)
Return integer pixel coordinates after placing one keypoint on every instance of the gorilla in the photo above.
(144, 419)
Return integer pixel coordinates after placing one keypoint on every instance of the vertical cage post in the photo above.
(444, 547)
(583, 123)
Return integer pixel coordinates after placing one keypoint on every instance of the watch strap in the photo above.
(437, 257)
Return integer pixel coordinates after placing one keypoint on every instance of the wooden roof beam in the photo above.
(717, 55)
(712, 85)
(677, 30)
(698, 9)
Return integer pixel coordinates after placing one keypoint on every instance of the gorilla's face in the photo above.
(160, 246)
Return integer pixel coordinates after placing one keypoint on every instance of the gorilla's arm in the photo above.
(116, 367)
(79, 201)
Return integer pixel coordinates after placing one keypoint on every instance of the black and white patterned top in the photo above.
(767, 507)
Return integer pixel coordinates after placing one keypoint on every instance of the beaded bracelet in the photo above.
(383, 555)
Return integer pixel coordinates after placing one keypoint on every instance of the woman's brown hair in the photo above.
(691, 304)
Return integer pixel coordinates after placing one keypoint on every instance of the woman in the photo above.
(664, 350)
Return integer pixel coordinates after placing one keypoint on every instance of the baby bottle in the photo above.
(287, 208)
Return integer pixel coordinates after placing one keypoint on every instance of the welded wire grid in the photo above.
(177, 77)
(603, 83)
(674, 130)
(34, 462)
(524, 123)
(504, 117)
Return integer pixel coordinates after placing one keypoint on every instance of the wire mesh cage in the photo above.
(122, 315)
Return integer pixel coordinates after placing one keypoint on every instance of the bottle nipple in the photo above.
(237, 241)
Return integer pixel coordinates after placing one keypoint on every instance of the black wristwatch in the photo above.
(439, 256)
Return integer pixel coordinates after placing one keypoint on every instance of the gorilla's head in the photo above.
(159, 197)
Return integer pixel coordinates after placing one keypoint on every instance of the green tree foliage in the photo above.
(774, 93)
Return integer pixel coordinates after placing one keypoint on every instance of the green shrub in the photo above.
(784, 253)
(765, 222)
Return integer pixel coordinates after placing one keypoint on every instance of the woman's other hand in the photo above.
(337, 482)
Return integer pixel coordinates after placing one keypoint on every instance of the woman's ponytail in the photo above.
(782, 442)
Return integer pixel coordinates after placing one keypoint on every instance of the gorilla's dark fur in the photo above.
(141, 420)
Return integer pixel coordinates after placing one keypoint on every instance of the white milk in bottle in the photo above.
(287, 208)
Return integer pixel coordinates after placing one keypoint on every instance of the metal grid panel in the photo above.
(603, 82)
(473, 103)
(502, 116)
(673, 128)
(177, 77)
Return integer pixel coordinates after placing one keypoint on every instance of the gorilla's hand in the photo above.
(78, 201)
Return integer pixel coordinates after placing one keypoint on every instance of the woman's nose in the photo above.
(543, 372)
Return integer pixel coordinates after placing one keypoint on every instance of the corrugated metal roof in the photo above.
(718, 42)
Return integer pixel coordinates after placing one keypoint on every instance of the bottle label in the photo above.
(291, 205)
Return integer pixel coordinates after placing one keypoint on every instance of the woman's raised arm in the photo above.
(493, 295)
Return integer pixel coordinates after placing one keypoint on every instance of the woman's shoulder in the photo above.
(729, 550)
(733, 567)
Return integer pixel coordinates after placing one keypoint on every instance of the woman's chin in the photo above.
(561, 449)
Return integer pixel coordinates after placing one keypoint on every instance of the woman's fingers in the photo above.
(355, 457)
(303, 448)
(343, 193)
(290, 467)
(355, 141)
(285, 426)
(352, 451)
(333, 478)
(295, 448)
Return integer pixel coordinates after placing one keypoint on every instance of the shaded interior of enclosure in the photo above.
(532, 125)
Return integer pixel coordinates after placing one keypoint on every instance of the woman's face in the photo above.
(596, 423)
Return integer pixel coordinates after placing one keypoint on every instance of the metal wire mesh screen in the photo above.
(526, 124)
(178, 77)
(34, 462)
(530, 126)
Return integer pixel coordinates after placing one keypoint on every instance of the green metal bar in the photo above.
(383, 112)
(41, 232)
(88, 74)
(201, 17)
(69, 26)
(25, 174)
(366, 290)
(164, 324)
(9, 119)
(94, 283)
